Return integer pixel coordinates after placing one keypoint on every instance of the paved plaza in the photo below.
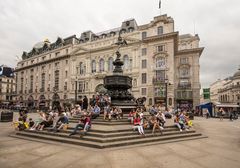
(221, 149)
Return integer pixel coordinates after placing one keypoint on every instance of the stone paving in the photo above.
(221, 149)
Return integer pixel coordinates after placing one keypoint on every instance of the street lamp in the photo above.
(76, 91)
(166, 91)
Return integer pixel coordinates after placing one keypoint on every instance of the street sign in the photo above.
(206, 93)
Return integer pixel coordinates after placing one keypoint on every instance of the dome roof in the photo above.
(237, 74)
(39, 45)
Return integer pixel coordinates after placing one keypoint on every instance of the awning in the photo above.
(227, 105)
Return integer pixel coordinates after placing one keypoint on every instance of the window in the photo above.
(144, 78)
(159, 91)
(144, 51)
(184, 72)
(66, 74)
(93, 66)
(43, 58)
(56, 80)
(144, 64)
(126, 62)
(65, 86)
(66, 62)
(160, 75)
(160, 30)
(31, 83)
(144, 35)
(184, 60)
(81, 87)
(134, 82)
(81, 68)
(160, 62)
(66, 51)
(110, 64)
(101, 65)
(144, 91)
(43, 82)
(160, 48)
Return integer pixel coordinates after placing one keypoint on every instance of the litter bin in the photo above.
(6, 116)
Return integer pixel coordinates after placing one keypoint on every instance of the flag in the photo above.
(159, 4)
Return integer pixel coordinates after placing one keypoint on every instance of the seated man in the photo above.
(96, 111)
(84, 123)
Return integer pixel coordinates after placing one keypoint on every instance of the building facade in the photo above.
(229, 93)
(7, 87)
(164, 65)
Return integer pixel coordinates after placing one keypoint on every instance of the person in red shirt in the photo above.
(137, 124)
(84, 123)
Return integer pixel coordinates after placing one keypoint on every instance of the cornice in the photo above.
(43, 62)
(190, 51)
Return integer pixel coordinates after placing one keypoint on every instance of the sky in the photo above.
(23, 23)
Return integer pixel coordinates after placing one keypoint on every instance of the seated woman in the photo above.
(119, 113)
(41, 118)
(154, 124)
(48, 122)
(176, 122)
(137, 124)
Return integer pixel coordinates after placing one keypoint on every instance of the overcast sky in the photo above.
(26, 22)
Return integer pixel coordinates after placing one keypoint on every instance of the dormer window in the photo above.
(130, 29)
(144, 35)
(160, 30)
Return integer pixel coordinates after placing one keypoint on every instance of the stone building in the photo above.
(7, 86)
(229, 93)
(164, 65)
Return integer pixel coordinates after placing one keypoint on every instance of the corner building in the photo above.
(164, 65)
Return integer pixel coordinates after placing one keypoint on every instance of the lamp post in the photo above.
(76, 91)
(166, 91)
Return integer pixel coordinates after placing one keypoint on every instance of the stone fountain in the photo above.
(118, 85)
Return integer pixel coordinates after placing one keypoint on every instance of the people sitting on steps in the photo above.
(84, 124)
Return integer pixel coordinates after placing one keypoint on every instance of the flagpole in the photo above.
(160, 7)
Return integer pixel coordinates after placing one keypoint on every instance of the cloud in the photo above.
(26, 22)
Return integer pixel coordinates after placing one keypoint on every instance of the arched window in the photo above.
(126, 62)
(81, 67)
(93, 66)
(101, 65)
(110, 64)
(160, 30)
(184, 72)
(160, 62)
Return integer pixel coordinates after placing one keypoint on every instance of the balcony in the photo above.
(185, 86)
(157, 81)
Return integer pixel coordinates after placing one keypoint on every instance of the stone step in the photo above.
(108, 144)
(109, 139)
(104, 122)
(129, 128)
(115, 134)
